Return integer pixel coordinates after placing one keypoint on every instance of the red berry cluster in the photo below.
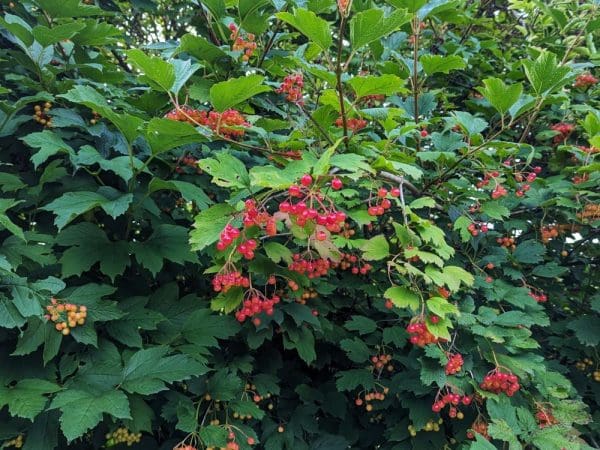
(564, 130)
(312, 268)
(186, 114)
(311, 206)
(240, 44)
(254, 216)
(454, 364)
(352, 263)
(246, 248)
(508, 242)
(256, 304)
(585, 80)
(486, 179)
(188, 161)
(499, 191)
(227, 123)
(451, 399)
(578, 179)
(497, 381)
(545, 418)
(479, 427)
(444, 292)
(420, 335)
(292, 86)
(371, 100)
(539, 297)
(548, 232)
(477, 227)
(224, 281)
(227, 236)
(353, 124)
(383, 203)
(380, 361)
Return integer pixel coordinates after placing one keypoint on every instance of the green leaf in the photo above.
(441, 64)
(147, 371)
(209, 224)
(278, 252)
(371, 25)
(224, 385)
(376, 248)
(226, 94)
(469, 123)
(348, 380)
(495, 210)
(529, 252)
(69, 8)
(356, 349)
(159, 74)
(587, 330)
(226, 170)
(49, 36)
(189, 191)
(310, 25)
(164, 135)
(303, 341)
(361, 324)
(203, 328)
(202, 49)
(82, 410)
(403, 298)
(440, 306)
(500, 95)
(72, 204)
(9, 315)
(214, 436)
(28, 397)
(545, 74)
(49, 144)
(373, 85)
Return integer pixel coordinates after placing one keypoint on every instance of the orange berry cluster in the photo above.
(307, 295)
(419, 334)
(41, 114)
(454, 364)
(545, 418)
(475, 228)
(497, 381)
(381, 361)
(548, 232)
(444, 292)
(479, 427)
(240, 44)
(65, 315)
(508, 242)
(371, 396)
(578, 179)
(371, 100)
(230, 123)
(585, 80)
(563, 130)
(590, 211)
(122, 436)
(353, 124)
(16, 442)
(352, 263)
(292, 86)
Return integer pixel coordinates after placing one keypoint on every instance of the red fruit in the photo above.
(395, 192)
(488, 279)
(321, 236)
(256, 321)
(434, 319)
(382, 192)
(250, 441)
(389, 304)
(306, 180)
(424, 133)
(336, 184)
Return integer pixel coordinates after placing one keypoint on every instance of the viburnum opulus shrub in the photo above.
(299, 224)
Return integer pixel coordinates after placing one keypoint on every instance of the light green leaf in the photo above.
(373, 85)
(310, 25)
(226, 170)
(361, 324)
(371, 25)
(70, 8)
(376, 248)
(500, 95)
(159, 74)
(545, 74)
(495, 210)
(226, 94)
(440, 306)
(441, 64)
(49, 36)
(28, 397)
(209, 224)
(48, 143)
(403, 297)
(165, 134)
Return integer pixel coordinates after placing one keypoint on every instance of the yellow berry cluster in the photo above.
(307, 295)
(431, 425)
(16, 442)
(584, 364)
(41, 114)
(95, 118)
(65, 315)
(369, 397)
(122, 436)
(596, 375)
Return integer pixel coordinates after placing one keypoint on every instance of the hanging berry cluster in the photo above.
(65, 315)
(122, 436)
(383, 203)
(247, 46)
(585, 80)
(419, 334)
(548, 232)
(452, 399)
(229, 123)
(187, 161)
(354, 124)
(497, 381)
(226, 279)
(477, 227)
(352, 263)
(16, 442)
(255, 304)
(381, 361)
(478, 427)
(507, 242)
(292, 88)
(454, 364)
(370, 397)
(545, 418)
(539, 297)
(563, 130)
(309, 266)
(41, 114)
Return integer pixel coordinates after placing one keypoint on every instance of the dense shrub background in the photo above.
(104, 203)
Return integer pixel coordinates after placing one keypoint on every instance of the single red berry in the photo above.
(250, 441)
(336, 184)
(424, 133)
(306, 180)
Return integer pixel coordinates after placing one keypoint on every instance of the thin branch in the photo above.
(338, 76)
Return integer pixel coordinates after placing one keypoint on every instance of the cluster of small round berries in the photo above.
(246, 248)
(585, 80)
(498, 192)
(583, 364)
(371, 100)
(227, 236)
(548, 232)
(224, 281)
(95, 118)
(563, 130)
(453, 400)
(65, 315)
(478, 427)
(16, 442)
(596, 376)
(454, 364)
(312, 268)
(507, 242)
(229, 123)
(444, 292)
(292, 88)
(307, 295)
(497, 381)
(187, 161)
(591, 211)
(348, 232)
(429, 427)
(477, 227)
(240, 44)
(303, 212)
(545, 418)
(420, 335)
(371, 396)
(381, 361)
(122, 436)
(352, 263)
(354, 124)
(41, 114)
(255, 305)
(486, 179)
(184, 447)
(383, 203)
(186, 114)
(578, 179)
(539, 297)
